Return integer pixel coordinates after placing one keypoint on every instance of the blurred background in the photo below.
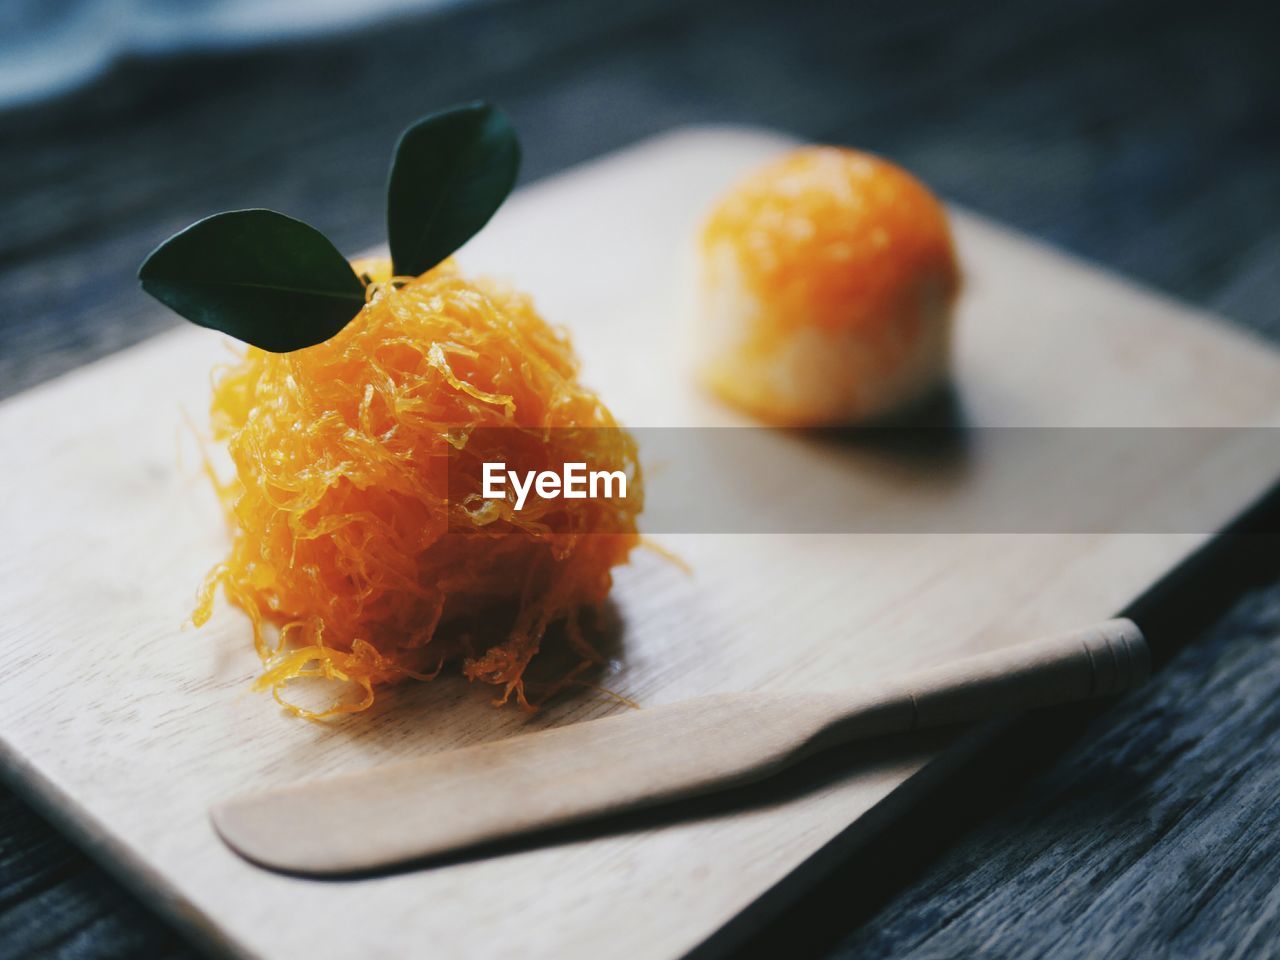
(1138, 133)
(1142, 134)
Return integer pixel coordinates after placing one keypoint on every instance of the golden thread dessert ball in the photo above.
(828, 280)
(350, 532)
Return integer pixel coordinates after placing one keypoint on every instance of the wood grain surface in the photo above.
(1129, 132)
(161, 723)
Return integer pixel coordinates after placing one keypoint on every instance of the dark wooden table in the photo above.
(1145, 135)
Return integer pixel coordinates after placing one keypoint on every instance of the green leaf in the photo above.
(258, 275)
(451, 172)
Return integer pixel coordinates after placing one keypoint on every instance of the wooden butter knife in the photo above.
(449, 801)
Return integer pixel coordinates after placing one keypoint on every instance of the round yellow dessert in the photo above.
(828, 282)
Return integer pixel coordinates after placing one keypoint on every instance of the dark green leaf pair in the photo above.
(279, 283)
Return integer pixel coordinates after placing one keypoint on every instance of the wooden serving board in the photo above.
(126, 724)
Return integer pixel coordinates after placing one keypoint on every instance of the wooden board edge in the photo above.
(973, 745)
(74, 821)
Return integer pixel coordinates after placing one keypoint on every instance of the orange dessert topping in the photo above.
(835, 238)
(344, 533)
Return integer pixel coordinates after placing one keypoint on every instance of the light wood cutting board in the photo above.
(126, 724)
